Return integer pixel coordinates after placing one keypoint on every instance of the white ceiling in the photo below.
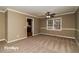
(41, 10)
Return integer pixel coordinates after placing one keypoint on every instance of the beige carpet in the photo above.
(41, 44)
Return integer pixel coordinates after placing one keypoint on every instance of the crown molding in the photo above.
(62, 14)
(19, 12)
(65, 13)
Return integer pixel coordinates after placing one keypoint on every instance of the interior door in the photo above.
(29, 27)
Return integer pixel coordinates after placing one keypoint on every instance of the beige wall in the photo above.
(16, 26)
(6, 25)
(36, 26)
(77, 25)
(2, 25)
(68, 26)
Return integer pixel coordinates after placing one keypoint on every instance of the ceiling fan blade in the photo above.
(48, 13)
(52, 15)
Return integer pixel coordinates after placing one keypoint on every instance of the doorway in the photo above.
(30, 27)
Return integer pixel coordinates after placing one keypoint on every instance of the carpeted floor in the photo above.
(41, 44)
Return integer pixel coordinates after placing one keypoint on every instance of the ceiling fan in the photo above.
(49, 15)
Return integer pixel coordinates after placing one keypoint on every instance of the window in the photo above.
(50, 24)
(54, 24)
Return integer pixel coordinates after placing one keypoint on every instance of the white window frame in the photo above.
(47, 24)
(53, 24)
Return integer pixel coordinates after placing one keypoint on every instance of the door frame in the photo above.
(32, 25)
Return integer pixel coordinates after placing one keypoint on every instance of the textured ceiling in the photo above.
(41, 10)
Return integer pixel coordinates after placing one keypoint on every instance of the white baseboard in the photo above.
(16, 40)
(2, 39)
(57, 35)
(36, 34)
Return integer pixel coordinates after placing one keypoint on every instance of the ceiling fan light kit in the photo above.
(47, 16)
